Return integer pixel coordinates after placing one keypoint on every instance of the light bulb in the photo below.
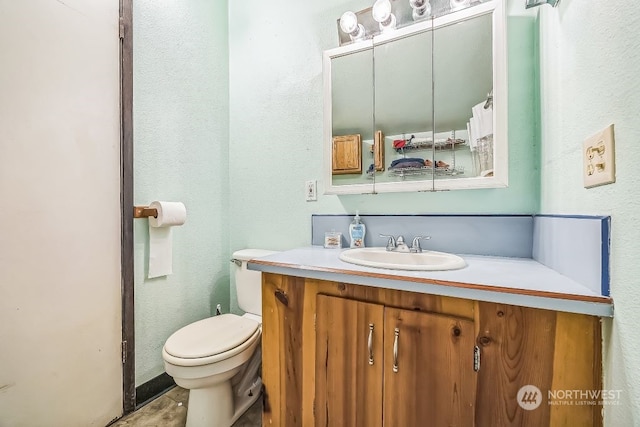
(534, 3)
(381, 10)
(421, 9)
(349, 24)
(459, 4)
(382, 13)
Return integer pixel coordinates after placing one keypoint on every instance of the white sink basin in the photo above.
(421, 261)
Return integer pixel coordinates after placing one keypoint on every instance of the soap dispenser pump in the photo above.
(357, 230)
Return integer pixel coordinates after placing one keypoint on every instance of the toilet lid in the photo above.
(211, 336)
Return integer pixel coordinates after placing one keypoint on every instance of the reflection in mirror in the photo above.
(352, 118)
(463, 106)
(403, 106)
(378, 151)
(347, 155)
(428, 102)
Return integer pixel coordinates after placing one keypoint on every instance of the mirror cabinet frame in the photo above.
(500, 178)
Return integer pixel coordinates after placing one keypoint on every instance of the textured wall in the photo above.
(276, 126)
(181, 154)
(589, 79)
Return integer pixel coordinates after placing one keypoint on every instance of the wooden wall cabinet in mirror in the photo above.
(347, 154)
(435, 114)
(378, 151)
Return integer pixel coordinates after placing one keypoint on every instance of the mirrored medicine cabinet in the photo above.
(419, 108)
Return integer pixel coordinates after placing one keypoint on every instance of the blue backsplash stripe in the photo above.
(493, 235)
(606, 250)
(577, 246)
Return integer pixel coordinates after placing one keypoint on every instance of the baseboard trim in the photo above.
(153, 388)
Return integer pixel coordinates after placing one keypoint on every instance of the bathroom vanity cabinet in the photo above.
(401, 365)
(337, 354)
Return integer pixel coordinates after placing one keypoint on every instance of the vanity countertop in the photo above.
(515, 281)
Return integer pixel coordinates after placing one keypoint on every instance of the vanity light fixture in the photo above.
(349, 24)
(459, 4)
(382, 14)
(534, 3)
(421, 9)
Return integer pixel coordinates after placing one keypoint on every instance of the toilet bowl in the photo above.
(218, 358)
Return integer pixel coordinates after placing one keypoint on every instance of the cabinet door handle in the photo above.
(395, 349)
(370, 343)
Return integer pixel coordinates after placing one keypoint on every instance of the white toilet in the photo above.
(217, 359)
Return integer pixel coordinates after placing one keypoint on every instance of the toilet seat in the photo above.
(211, 340)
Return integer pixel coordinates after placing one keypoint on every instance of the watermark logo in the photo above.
(529, 397)
(584, 397)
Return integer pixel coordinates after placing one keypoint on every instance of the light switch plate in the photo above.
(311, 191)
(598, 159)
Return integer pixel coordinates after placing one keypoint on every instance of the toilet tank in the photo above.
(249, 282)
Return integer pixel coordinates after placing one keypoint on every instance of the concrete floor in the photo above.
(170, 410)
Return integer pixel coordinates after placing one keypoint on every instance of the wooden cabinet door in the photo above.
(429, 378)
(347, 154)
(349, 363)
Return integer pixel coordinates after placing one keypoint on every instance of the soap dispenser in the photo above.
(357, 231)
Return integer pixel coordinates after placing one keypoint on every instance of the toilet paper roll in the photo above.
(170, 214)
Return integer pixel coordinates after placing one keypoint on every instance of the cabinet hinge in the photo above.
(121, 28)
(314, 321)
(123, 346)
(476, 358)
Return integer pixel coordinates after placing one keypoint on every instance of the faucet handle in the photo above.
(415, 246)
(391, 243)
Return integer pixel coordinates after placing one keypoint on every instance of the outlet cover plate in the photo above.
(598, 159)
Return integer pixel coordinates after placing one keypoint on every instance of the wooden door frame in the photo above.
(126, 205)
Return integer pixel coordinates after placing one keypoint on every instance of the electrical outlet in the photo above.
(598, 158)
(310, 191)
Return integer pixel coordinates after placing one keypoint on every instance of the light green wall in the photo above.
(276, 136)
(589, 74)
(587, 80)
(181, 116)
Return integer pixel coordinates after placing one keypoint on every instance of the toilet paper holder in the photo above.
(144, 212)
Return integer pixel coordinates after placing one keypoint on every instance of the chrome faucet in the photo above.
(391, 243)
(398, 244)
(415, 246)
(401, 246)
